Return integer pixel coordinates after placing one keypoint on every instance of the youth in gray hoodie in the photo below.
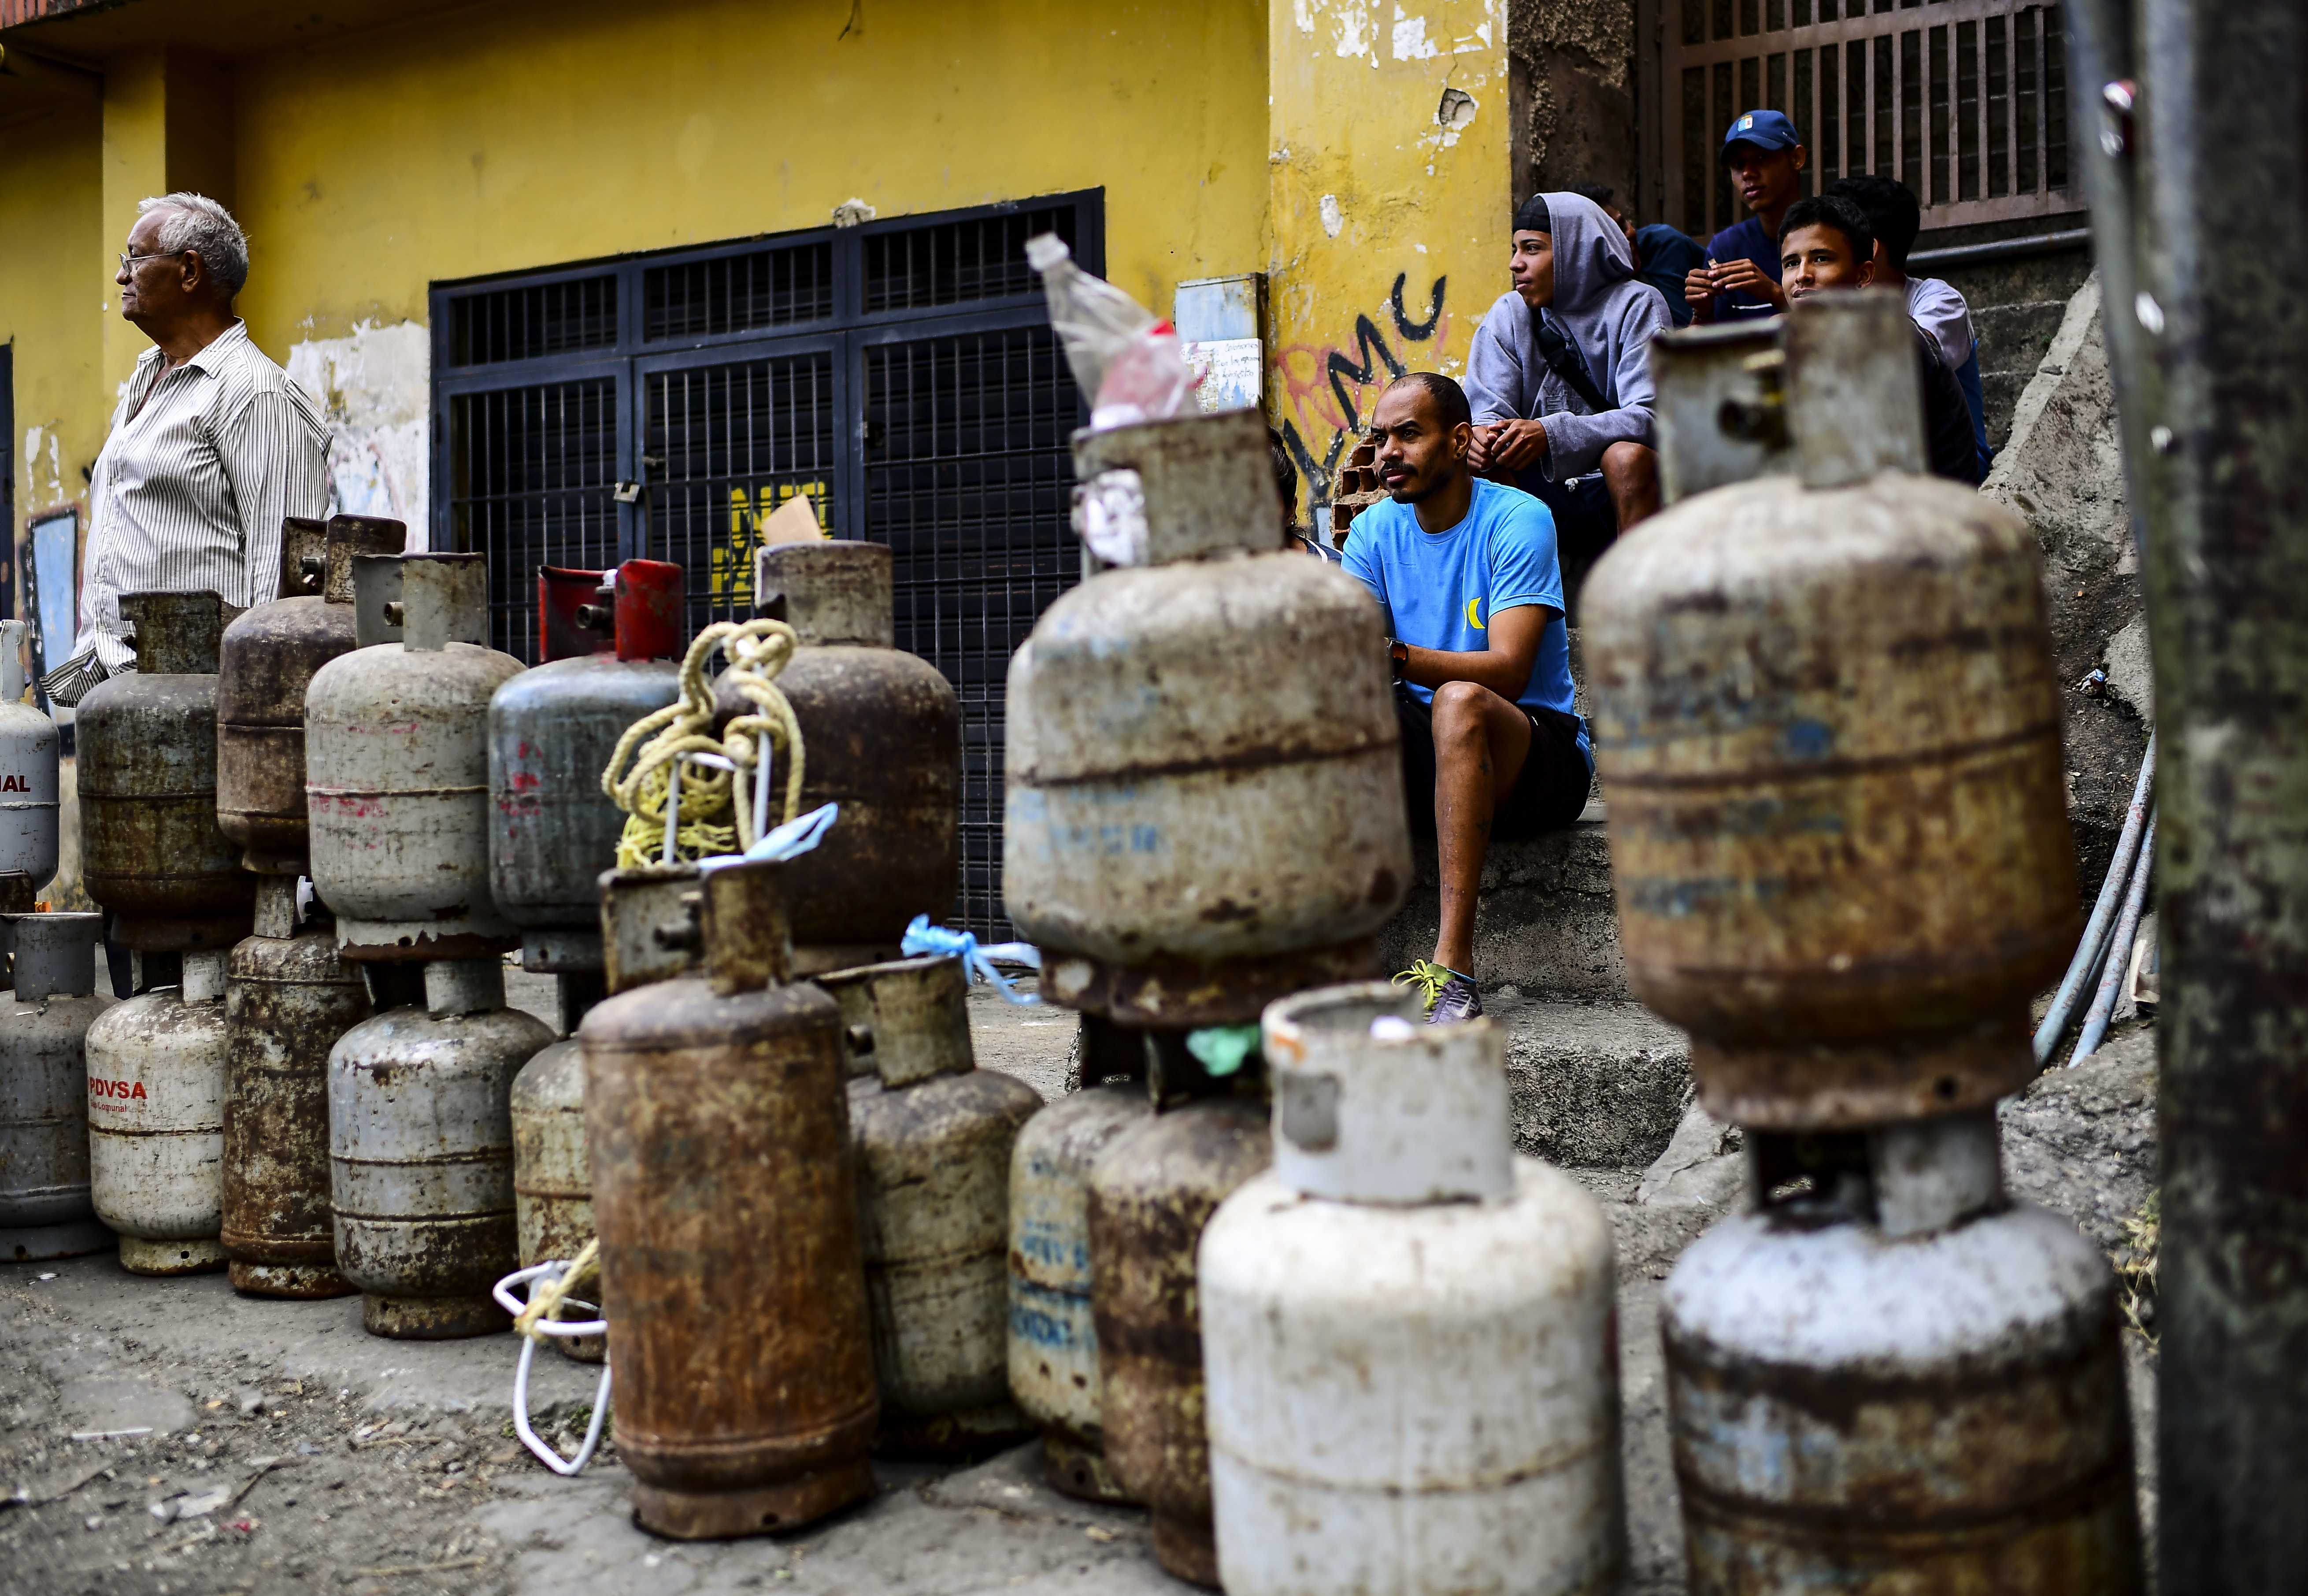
(1610, 315)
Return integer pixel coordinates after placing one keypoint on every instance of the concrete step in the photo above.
(1593, 1085)
(1544, 922)
(2014, 337)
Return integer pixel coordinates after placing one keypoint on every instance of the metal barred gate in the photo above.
(1965, 101)
(901, 375)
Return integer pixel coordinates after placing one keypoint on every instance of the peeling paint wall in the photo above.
(375, 387)
(1389, 203)
(51, 302)
(1573, 94)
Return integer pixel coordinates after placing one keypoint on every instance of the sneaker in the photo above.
(1450, 996)
(1458, 1001)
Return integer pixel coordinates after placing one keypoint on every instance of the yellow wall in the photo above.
(523, 135)
(1369, 187)
(52, 306)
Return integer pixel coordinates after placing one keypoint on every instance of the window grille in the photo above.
(968, 480)
(767, 287)
(729, 445)
(955, 261)
(901, 373)
(532, 475)
(524, 323)
(1965, 101)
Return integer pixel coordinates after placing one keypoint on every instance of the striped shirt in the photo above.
(203, 465)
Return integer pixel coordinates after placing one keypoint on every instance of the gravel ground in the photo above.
(274, 1446)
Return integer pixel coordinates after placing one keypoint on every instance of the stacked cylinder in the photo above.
(1827, 716)
(154, 856)
(1181, 852)
(287, 994)
(419, 1112)
(607, 640)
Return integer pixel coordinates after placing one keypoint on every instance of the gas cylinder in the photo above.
(1896, 1379)
(882, 735)
(265, 662)
(1053, 1338)
(28, 747)
(288, 997)
(156, 1083)
(151, 849)
(1827, 712)
(1150, 1192)
(397, 766)
(420, 1153)
(46, 1210)
(607, 638)
(725, 1191)
(1826, 715)
(1183, 851)
(1408, 1332)
(552, 1178)
(934, 1136)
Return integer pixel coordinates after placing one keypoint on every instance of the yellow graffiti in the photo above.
(1472, 618)
(729, 571)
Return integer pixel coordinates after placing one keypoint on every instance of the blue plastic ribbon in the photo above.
(1222, 1049)
(922, 938)
(796, 837)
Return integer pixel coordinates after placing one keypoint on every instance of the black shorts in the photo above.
(1548, 794)
(1586, 525)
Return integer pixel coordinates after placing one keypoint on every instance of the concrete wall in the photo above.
(1389, 215)
(1573, 93)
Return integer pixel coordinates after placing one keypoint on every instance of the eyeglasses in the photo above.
(127, 260)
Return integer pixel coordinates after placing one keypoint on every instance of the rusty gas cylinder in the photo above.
(1827, 714)
(725, 1191)
(155, 1085)
(608, 639)
(1889, 1377)
(151, 849)
(882, 736)
(1150, 1192)
(1052, 1335)
(934, 1134)
(646, 916)
(420, 1152)
(287, 998)
(266, 662)
(1182, 849)
(46, 1210)
(397, 765)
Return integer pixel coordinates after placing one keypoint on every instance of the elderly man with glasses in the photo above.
(212, 448)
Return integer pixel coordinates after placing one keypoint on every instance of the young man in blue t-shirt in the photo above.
(1465, 571)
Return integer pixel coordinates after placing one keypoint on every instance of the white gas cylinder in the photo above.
(156, 1092)
(1408, 1332)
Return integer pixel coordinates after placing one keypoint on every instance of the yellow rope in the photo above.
(545, 1296)
(717, 811)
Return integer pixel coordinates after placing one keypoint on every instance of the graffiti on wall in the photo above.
(1326, 391)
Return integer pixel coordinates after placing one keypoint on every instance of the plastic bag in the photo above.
(1129, 362)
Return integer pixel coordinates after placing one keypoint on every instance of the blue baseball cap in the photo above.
(1766, 130)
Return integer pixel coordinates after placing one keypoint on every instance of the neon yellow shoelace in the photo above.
(1428, 978)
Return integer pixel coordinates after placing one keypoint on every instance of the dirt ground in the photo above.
(170, 1436)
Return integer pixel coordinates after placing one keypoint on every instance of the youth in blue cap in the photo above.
(1741, 278)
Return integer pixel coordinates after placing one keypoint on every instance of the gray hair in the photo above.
(199, 223)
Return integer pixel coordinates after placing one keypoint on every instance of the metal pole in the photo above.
(2214, 370)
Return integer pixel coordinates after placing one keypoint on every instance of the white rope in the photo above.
(533, 1332)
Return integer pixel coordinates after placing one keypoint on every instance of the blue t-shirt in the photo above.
(1754, 241)
(1439, 590)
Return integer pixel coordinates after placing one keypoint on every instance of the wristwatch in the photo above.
(1398, 659)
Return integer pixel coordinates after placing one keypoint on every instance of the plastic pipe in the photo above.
(2087, 962)
(2119, 954)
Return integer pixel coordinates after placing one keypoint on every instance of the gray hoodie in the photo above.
(1609, 313)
